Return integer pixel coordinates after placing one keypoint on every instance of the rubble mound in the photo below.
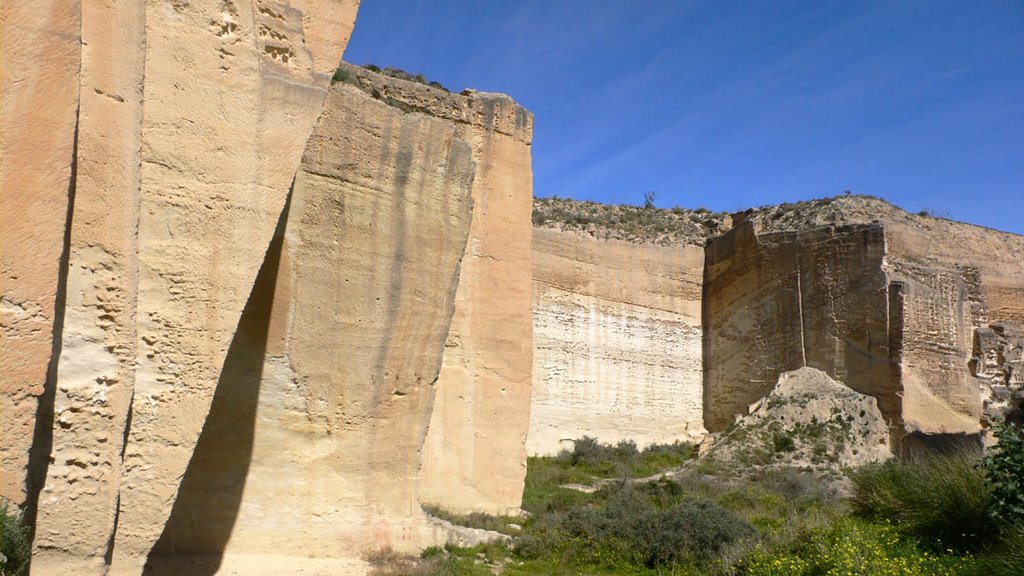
(808, 420)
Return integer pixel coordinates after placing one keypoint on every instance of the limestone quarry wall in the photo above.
(322, 407)
(998, 363)
(778, 302)
(474, 457)
(167, 136)
(889, 308)
(617, 341)
(40, 55)
(954, 278)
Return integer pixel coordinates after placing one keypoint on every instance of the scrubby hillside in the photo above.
(639, 224)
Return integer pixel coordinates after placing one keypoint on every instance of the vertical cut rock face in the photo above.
(191, 123)
(474, 456)
(232, 93)
(779, 302)
(617, 341)
(323, 403)
(95, 371)
(40, 55)
(888, 308)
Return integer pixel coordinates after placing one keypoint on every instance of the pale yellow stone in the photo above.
(39, 76)
(96, 369)
(617, 341)
(474, 458)
(179, 196)
(324, 401)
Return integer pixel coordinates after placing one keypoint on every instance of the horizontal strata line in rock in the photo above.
(603, 299)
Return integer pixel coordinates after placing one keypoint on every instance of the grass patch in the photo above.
(853, 546)
(436, 561)
(653, 525)
(943, 500)
(480, 520)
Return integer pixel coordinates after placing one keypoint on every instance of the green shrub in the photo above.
(1004, 472)
(664, 456)
(939, 499)
(798, 488)
(623, 459)
(783, 442)
(695, 529)
(647, 524)
(14, 546)
(436, 561)
(342, 75)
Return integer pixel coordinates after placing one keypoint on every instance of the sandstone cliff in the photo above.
(474, 457)
(234, 348)
(883, 301)
(322, 406)
(998, 363)
(40, 55)
(617, 326)
(166, 136)
(245, 313)
(617, 341)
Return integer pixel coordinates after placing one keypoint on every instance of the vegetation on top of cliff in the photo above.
(684, 226)
(403, 75)
(345, 75)
(342, 75)
(847, 208)
(639, 224)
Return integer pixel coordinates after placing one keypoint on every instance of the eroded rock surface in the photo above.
(232, 93)
(96, 369)
(182, 172)
(998, 364)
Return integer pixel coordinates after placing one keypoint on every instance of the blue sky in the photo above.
(735, 104)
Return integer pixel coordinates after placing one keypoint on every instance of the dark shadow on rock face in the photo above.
(210, 493)
(42, 435)
(917, 444)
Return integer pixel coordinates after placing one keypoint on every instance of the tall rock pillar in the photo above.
(40, 51)
(474, 458)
